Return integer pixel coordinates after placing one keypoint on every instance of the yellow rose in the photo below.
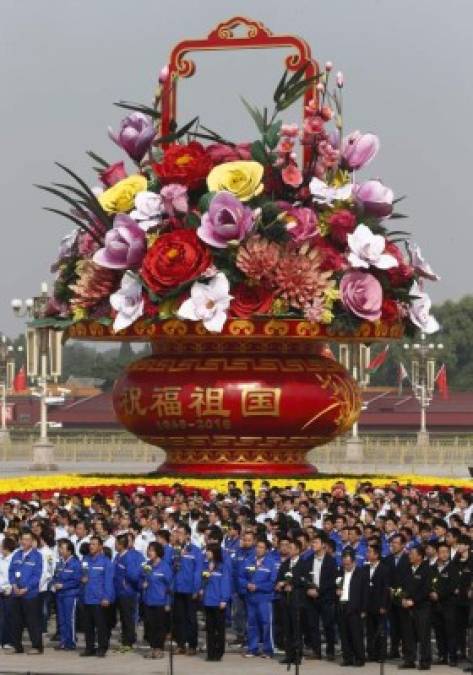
(121, 196)
(242, 179)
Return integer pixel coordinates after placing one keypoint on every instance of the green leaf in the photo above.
(73, 202)
(255, 114)
(258, 152)
(93, 202)
(138, 107)
(271, 137)
(176, 135)
(192, 220)
(75, 220)
(398, 215)
(280, 86)
(269, 212)
(100, 160)
(205, 200)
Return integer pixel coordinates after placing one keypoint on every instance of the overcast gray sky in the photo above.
(407, 65)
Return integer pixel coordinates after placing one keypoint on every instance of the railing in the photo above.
(121, 447)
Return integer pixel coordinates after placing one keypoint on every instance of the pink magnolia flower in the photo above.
(135, 135)
(226, 221)
(367, 249)
(125, 245)
(419, 310)
(208, 303)
(301, 224)
(175, 198)
(292, 175)
(374, 198)
(128, 302)
(359, 149)
(361, 293)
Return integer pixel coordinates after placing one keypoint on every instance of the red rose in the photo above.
(390, 310)
(248, 300)
(174, 257)
(403, 273)
(332, 259)
(341, 224)
(184, 164)
(112, 174)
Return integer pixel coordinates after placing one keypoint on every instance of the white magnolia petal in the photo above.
(344, 192)
(187, 311)
(216, 322)
(219, 286)
(356, 261)
(386, 262)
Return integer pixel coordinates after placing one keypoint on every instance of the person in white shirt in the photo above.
(80, 536)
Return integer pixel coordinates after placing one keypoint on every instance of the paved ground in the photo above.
(114, 664)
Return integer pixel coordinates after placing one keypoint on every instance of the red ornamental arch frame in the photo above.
(223, 37)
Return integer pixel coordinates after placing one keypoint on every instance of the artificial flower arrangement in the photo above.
(211, 232)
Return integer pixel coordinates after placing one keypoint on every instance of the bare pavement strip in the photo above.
(52, 663)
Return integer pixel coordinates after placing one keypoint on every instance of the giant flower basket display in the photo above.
(237, 261)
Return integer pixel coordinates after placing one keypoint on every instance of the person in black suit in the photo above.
(377, 580)
(352, 601)
(415, 612)
(464, 563)
(321, 573)
(444, 592)
(291, 583)
(398, 567)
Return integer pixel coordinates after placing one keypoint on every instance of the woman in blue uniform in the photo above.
(67, 584)
(156, 583)
(215, 593)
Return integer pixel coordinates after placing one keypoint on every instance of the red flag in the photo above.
(441, 379)
(19, 381)
(378, 360)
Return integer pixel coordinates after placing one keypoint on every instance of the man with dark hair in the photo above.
(377, 580)
(291, 583)
(415, 611)
(26, 568)
(188, 565)
(352, 601)
(97, 577)
(445, 589)
(398, 566)
(126, 575)
(321, 573)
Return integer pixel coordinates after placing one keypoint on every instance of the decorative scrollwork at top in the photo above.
(276, 327)
(184, 67)
(307, 328)
(225, 30)
(175, 327)
(241, 327)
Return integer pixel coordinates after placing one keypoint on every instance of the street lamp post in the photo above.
(355, 358)
(7, 361)
(423, 379)
(39, 368)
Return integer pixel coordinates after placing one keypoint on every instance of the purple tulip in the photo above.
(359, 149)
(374, 198)
(361, 293)
(135, 135)
(226, 220)
(125, 245)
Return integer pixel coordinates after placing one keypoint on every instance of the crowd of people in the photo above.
(382, 573)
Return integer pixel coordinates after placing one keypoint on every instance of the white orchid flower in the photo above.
(367, 249)
(419, 263)
(208, 303)
(148, 209)
(327, 194)
(419, 310)
(127, 301)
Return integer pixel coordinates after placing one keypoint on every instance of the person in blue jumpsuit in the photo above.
(187, 583)
(24, 575)
(97, 577)
(126, 573)
(67, 584)
(259, 577)
(156, 584)
(216, 593)
(243, 554)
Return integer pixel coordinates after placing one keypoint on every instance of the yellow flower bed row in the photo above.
(71, 482)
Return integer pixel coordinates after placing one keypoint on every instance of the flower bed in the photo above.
(87, 485)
